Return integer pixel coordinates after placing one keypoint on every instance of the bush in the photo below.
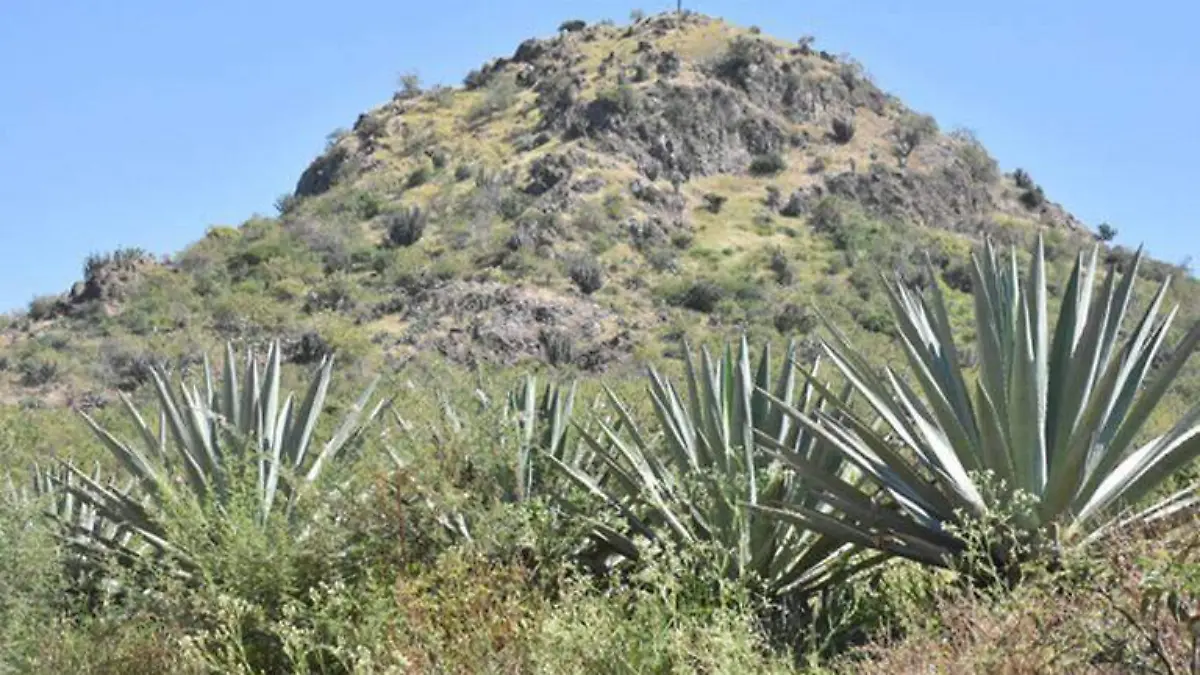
(796, 205)
(843, 130)
(1106, 232)
(558, 347)
(1033, 198)
(462, 172)
(418, 177)
(702, 296)
(587, 274)
(286, 203)
(714, 202)
(442, 96)
(44, 307)
(768, 164)
(572, 26)
(782, 268)
(971, 152)
(498, 95)
(827, 218)
(623, 98)
(636, 15)
(958, 277)
(36, 371)
(405, 226)
(910, 132)
(1023, 180)
(410, 85)
(792, 319)
(774, 198)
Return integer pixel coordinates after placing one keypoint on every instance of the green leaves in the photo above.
(720, 457)
(1053, 413)
(203, 438)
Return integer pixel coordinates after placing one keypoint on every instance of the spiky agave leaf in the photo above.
(1052, 414)
(716, 461)
(203, 437)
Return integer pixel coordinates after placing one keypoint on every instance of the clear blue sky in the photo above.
(142, 122)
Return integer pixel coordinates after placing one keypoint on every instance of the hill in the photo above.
(589, 202)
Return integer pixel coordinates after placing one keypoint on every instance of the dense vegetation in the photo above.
(987, 464)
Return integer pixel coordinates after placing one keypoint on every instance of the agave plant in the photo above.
(547, 431)
(1053, 416)
(718, 449)
(203, 437)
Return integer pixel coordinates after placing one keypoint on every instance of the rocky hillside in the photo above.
(589, 201)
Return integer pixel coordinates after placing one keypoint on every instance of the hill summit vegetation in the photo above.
(951, 428)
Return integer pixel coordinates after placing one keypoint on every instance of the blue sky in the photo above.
(142, 122)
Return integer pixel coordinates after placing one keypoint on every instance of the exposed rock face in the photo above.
(323, 172)
(110, 280)
(938, 199)
(474, 322)
(693, 130)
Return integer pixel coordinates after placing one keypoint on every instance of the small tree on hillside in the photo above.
(410, 85)
(1106, 232)
(910, 131)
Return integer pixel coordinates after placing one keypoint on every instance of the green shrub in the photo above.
(843, 130)
(782, 268)
(286, 203)
(44, 307)
(558, 347)
(1033, 198)
(702, 296)
(218, 482)
(794, 320)
(958, 276)
(768, 164)
(418, 177)
(499, 94)
(774, 198)
(405, 226)
(586, 273)
(981, 166)
(910, 132)
(410, 85)
(623, 98)
(1106, 232)
(1023, 180)
(37, 371)
(572, 26)
(714, 202)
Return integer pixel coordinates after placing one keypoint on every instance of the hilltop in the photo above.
(590, 202)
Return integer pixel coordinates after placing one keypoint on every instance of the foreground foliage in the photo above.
(712, 451)
(1052, 421)
(237, 440)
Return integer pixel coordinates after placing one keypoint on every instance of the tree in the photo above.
(1106, 232)
(410, 85)
(910, 131)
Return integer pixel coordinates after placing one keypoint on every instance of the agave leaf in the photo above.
(308, 413)
(350, 425)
